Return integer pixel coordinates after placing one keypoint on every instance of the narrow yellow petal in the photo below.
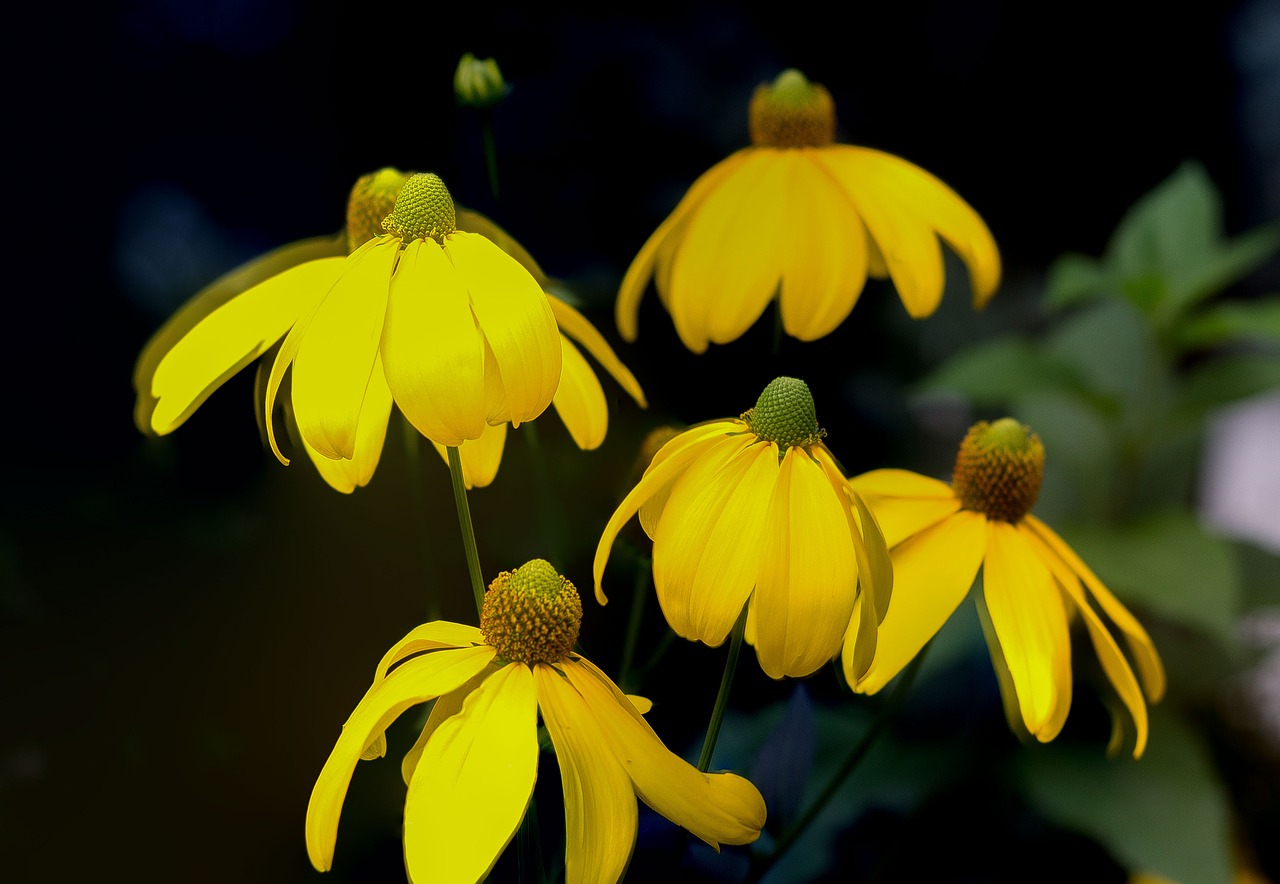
(904, 503)
(516, 320)
(445, 707)
(432, 351)
(932, 573)
(1031, 624)
(480, 457)
(706, 555)
(875, 567)
(579, 399)
(574, 325)
(371, 434)
(335, 359)
(900, 483)
(429, 637)
(474, 222)
(808, 571)
(1150, 669)
(416, 681)
(651, 509)
(720, 808)
(601, 817)
(473, 781)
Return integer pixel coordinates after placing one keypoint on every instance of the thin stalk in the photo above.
(468, 532)
(639, 594)
(490, 150)
(413, 466)
(722, 698)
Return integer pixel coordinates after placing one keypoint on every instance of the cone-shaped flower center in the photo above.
(372, 198)
(531, 615)
(785, 414)
(998, 469)
(792, 112)
(423, 209)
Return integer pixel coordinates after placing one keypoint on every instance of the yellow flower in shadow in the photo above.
(754, 511)
(1033, 584)
(471, 773)
(803, 219)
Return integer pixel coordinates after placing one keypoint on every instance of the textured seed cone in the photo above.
(372, 198)
(999, 469)
(423, 209)
(785, 414)
(792, 112)
(531, 615)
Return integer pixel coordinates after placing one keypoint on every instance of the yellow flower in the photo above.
(244, 314)
(755, 511)
(1033, 583)
(471, 773)
(803, 218)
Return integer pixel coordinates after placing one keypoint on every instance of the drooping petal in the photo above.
(480, 457)
(601, 816)
(473, 781)
(574, 325)
(1150, 668)
(432, 351)
(416, 681)
(1113, 661)
(429, 637)
(808, 571)
(1031, 623)
(706, 555)
(445, 706)
(932, 573)
(334, 362)
(474, 222)
(875, 567)
(655, 479)
(900, 483)
(516, 320)
(627, 307)
(825, 259)
(727, 267)
(720, 808)
(904, 503)
(371, 434)
(651, 509)
(579, 399)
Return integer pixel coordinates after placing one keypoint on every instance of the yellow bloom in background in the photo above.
(471, 773)
(801, 218)
(1033, 583)
(245, 313)
(754, 510)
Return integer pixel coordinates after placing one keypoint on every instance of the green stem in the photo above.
(761, 864)
(413, 466)
(468, 532)
(638, 597)
(490, 150)
(722, 698)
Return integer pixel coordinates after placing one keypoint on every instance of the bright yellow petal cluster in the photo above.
(800, 218)
(1033, 585)
(471, 773)
(738, 518)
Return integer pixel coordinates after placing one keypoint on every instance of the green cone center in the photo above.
(785, 414)
(531, 615)
(792, 112)
(423, 209)
(998, 470)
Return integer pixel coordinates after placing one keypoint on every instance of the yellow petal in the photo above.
(416, 681)
(599, 802)
(651, 509)
(574, 325)
(627, 307)
(445, 706)
(429, 637)
(1109, 654)
(335, 359)
(932, 573)
(719, 808)
(900, 483)
(1150, 669)
(706, 555)
(875, 568)
(474, 222)
(579, 399)
(473, 781)
(808, 571)
(904, 503)
(1031, 623)
(825, 259)
(432, 351)
(516, 320)
(371, 434)
(480, 457)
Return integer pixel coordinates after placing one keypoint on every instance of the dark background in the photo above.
(184, 623)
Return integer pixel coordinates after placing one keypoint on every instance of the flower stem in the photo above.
(761, 864)
(468, 532)
(722, 698)
(490, 150)
(639, 594)
(413, 466)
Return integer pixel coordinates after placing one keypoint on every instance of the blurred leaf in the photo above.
(1230, 262)
(1079, 453)
(1261, 576)
(1222, 381)
(1167, 563)
(994, 372)
(1110, 349)
(1231, 321)
(1074, 279)
(1166, 813)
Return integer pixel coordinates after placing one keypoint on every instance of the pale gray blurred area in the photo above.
(1240, 481)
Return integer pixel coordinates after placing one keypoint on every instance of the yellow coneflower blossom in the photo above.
(471, 773)
(754, 510)
(1033, 583)
(801, 218)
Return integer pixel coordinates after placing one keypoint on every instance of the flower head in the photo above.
(754, 510)
(471, 773)
(1033, 583)
(799, 217)
(478, 82)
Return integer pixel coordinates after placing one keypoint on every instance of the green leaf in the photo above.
(1170, 565)
(1227, 264)
(1075, 279)
(1080, 456)
(1231, 321)
(1225, 380)
(1167, 813)
(994, 372)
(1110, 348)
